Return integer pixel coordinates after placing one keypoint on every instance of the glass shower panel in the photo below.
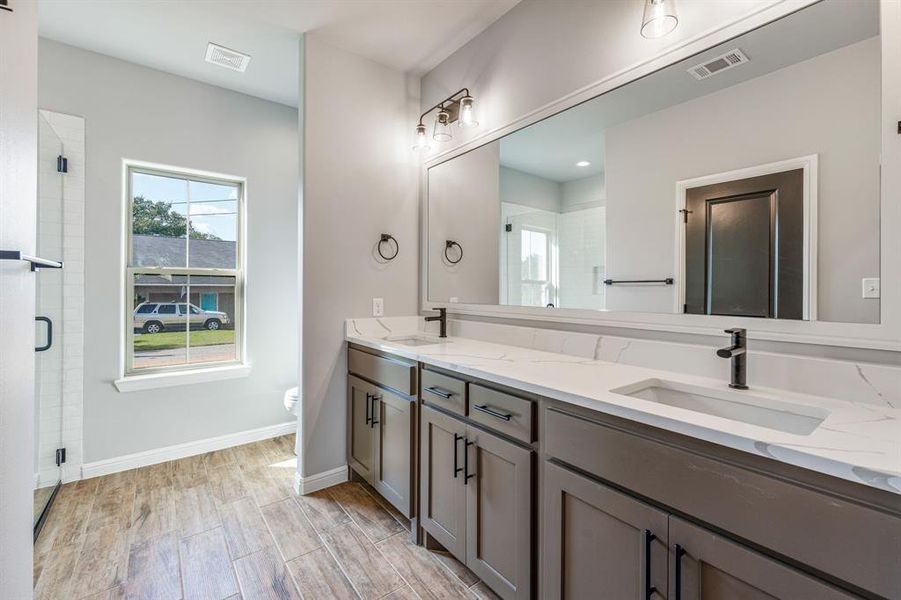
(49, 306)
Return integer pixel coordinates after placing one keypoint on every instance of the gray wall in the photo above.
(360, 180)
(770, 118)
(464, 206)
(525, 189)
(538, 53)
(139, 113)
(587, 192)
(18, 194)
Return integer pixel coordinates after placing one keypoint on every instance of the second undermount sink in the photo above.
(743, 406)
(415, 340)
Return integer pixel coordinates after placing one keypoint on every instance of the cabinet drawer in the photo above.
(848, 540)
(505, 413)
(446, 392)
(385, 371)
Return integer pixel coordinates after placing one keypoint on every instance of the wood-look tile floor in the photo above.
(227, 525)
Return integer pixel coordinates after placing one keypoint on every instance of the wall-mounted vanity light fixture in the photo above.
(659, 18)
(458, 107)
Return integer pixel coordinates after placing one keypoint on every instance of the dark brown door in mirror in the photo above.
(744, 247)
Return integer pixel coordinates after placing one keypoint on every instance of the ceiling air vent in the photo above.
(721, 63)
(224, 57)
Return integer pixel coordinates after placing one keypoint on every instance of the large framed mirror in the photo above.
(740, 182)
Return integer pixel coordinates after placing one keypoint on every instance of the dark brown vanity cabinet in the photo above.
(381, 427)
(600, 543)
(476, 500)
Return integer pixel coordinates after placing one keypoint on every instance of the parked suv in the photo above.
(154, 317)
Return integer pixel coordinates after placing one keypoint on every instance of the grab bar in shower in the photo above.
(36, 262)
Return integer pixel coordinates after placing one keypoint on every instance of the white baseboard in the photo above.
(320, 481)
(159, 455)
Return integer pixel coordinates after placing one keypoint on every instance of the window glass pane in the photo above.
(160, 339)
(212, 333)
(144, 309)
(159, 220)
(214, 225)
(534, 255)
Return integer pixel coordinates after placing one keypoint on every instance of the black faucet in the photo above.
(442, 317)
(738, 353)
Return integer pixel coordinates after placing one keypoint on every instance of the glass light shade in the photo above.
(420, 139)
(442, 131)
(467, 114)
(659, 18)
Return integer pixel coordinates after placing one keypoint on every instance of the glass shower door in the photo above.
(49, 307)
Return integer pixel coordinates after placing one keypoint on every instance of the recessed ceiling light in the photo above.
(226, 57)
(583, 163)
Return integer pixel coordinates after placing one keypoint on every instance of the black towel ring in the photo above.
(447, 246)
(388, 238)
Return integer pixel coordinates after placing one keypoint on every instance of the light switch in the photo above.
(378, 307)
(454, 299)
(870, 287)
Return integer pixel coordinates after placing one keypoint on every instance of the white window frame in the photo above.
(150, 377)
(550, 267)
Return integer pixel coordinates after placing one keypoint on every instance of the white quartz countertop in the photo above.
(857, 442)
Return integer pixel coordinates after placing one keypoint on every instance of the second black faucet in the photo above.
(442, 317)
(738, 352)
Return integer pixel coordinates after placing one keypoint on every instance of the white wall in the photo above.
(360, 179)
(538, 52)
(139, 113)
(778, 116)
(525, 189)
(588, 192)
(464, 207)
(18, 193)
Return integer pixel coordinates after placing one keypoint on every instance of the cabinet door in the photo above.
(708, 566)
(442, 496)
(360, 434)
(498, 481)
(392, 474)
(599, 543)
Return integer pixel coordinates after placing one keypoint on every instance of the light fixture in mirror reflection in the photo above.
(659, 18)
(728, 185)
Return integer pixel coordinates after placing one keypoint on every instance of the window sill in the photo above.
(152, 381)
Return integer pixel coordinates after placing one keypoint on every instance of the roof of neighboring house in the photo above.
(160, 251)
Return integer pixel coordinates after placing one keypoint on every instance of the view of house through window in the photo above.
(184, 274)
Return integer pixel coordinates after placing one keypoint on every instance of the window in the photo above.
(184, 271)
(535, 254)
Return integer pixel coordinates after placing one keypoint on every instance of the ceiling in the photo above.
(551, 148)
(172, 35)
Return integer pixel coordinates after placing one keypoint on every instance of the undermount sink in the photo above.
(743, 406)
(415, 340)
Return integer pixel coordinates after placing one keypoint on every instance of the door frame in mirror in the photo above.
(886, 335)
(808, 164)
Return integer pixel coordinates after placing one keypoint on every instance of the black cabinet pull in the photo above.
(484, 408)
(439, 392)
(457, 467)
(466, 474)
(373, 422)
(679, 550)
(649, 589)
(49, 334)
(368, 407)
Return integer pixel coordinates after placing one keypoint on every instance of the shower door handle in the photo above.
(49, 334)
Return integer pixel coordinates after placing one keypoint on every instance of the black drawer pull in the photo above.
(484, 408)
(373, 422)
(679, 550)
(368, 407)
(457, 468)
(439, 392)
(649, 589)
(466, 474)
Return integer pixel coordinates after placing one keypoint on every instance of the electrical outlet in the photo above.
(870, 287)
(454, 299)
(378, 307)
